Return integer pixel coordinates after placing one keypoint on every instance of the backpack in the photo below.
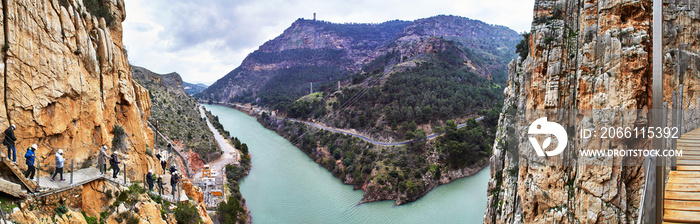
(175, 179)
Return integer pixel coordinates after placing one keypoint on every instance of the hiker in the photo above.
(103, 159)
(59, 165)
(163, 164)
(9, 141)
(30, 162)
(158, 156)
(170, 148)
(173, 182)
(114, 163)
(160, 185)
(150, 179)
(173, 169)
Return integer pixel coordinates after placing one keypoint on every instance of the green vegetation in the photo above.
(177, 114)
(228, 211)
(394, 169)
(465, 146)
(232, 211)
(100, 9)
(89, 219)
(119, 134)
(186, 213)
(61, 209)
(523, 48)
(444, 92)
(64, 3)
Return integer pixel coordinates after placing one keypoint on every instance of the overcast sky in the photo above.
(205, 39)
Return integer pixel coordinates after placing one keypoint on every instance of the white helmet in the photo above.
(150, 171)
(60, 151)
(34, 147)
(104, 147)
(13, 126)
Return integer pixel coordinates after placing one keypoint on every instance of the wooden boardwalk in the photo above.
(29, 184)
(682, 192)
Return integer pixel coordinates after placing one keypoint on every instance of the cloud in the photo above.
(204, 40)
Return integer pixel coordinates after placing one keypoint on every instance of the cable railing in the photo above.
(186, 167)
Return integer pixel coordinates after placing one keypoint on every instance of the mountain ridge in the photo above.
(327, 52)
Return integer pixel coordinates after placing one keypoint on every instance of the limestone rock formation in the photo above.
(587, 55)
(67, 81)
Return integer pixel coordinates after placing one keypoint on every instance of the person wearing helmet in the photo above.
(173, 182)
(59, 165)
(163, 165)
(173, 169)
(160, 184)
(9, 141)
(103, 159)
(150, 179)
(30, 162)
(114, 162)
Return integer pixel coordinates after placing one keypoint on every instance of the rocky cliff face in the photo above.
(66, 81)
(587, 55)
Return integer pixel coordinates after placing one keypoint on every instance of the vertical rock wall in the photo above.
(66, 81)
(588, 54)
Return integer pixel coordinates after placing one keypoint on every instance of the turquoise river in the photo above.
(286, 186)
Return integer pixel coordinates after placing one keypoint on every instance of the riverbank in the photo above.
(287, 186)
(232, 169)
(382, 172)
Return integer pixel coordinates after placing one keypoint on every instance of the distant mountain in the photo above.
(192, 89)
(323, 53)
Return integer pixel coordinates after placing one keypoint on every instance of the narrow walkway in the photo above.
(7, 186)
(682, 193)
(87, 175)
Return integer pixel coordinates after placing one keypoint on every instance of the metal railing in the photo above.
(685, 116)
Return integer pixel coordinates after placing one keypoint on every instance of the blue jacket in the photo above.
(59, 161)
(29, 156)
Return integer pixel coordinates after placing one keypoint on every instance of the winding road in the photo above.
(230, 155)
(353, 134)
(373, 141)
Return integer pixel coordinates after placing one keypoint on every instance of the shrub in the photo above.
(186, 213)
(61, 210)
(100, 10)
(89, 219)
(523, 48)
(119, 134)
(228, 212)
(132, 219)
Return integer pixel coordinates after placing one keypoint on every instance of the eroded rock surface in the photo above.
(587, 55)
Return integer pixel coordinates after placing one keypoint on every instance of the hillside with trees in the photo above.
(177, 114)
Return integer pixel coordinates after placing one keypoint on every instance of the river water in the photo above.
(286, 186)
